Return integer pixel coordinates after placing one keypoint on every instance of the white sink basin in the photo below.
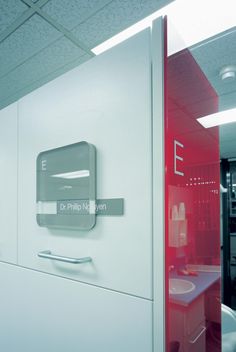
(179, 286)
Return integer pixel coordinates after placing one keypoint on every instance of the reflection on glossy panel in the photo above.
(66, 187)
(192, 210)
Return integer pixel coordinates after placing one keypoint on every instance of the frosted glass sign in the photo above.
(66, 187)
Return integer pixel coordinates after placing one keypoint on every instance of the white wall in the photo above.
(106, 305)
(8, 182)
(104, 102)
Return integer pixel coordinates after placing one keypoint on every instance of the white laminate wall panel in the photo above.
(107, 102)
(159, 309)
(8, 182)
(41, 312)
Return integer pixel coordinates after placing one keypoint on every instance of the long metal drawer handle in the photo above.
(48, 255)
(199, 335)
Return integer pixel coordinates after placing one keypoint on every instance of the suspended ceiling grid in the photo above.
(41, 39)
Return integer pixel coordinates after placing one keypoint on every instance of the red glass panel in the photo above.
(192, 210)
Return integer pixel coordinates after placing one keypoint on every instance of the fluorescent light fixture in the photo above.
(219, 118)
(73, 174)
(189, 22)
(129, 32)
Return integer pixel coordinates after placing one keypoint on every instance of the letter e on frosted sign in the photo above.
(177, 149)
(44, 165)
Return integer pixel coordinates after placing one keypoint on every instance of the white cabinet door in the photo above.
(41, 312)
(8, 182)
(106, 102)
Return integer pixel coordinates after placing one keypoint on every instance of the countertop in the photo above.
(202, 282)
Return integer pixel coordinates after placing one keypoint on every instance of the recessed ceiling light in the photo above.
(189, 22)
(228, 73)
(219, 118)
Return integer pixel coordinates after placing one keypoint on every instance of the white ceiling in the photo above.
(212, 55)
(41, 39)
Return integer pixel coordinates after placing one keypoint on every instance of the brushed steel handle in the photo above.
(48, 255)
(199, 335)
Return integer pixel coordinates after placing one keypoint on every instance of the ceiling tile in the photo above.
(227, 101)
(228, 149)
(37, 52)
(34, 35)
(214, 54)
(220, 86)
(227, 132)
(227, 153)
(9, 11)
(73, 12)
(40, 67)
(113, 18)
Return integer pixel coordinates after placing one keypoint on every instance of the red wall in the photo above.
(194, 181)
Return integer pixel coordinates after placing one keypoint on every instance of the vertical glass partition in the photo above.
(192, 211)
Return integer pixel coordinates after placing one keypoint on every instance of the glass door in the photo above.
(192, 210)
